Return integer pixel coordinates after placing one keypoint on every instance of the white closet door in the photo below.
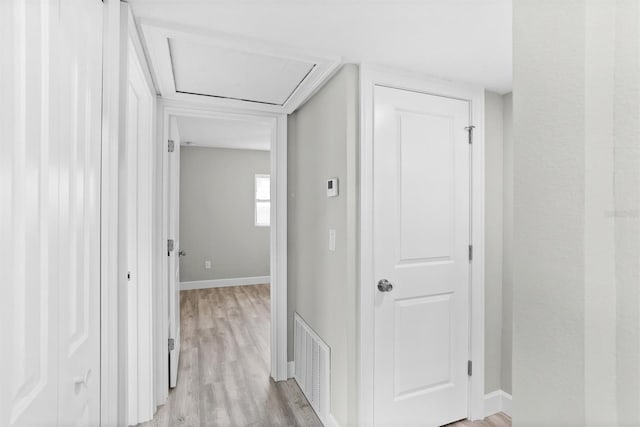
(421, 241)
(79, 78)
(51, 83)
(30, 216)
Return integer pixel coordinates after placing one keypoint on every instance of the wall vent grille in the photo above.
(312, 358)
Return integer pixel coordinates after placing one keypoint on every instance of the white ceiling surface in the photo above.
(217, 71)
(460, 40)
(219, 133)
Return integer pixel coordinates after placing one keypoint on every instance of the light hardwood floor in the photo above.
(223, 377)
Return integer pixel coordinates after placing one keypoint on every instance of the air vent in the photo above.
(312, 367)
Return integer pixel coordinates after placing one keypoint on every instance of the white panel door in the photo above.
(174, 258)
(133, 131)
(79, 78)
(51, 83)
(29, 215)
(140, 104)
(421, 237)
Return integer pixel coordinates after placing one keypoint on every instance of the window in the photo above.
(263, 200)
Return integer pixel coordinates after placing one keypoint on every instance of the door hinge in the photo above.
(128, 275)
(470, 253)
(172, 344)
(171, 145)
(169, 245)
(469, 367)
(470, 129)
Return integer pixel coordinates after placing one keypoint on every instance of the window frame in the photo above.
(256, 200)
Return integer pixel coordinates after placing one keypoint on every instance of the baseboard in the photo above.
(497, 401)
(332, 422)
(223, 283)
(507, 403)
(291, 369)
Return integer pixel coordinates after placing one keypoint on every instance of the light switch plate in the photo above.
(207, 264)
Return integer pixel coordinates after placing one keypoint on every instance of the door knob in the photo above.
(384, 285)
(182, 253)
(82, 380)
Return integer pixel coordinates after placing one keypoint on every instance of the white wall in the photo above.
(217, 214)
(322, 285)
(576, 223)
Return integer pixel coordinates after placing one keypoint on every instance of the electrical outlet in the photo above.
(207, 264)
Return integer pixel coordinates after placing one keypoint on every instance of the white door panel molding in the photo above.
(52, 81)
(422, 216)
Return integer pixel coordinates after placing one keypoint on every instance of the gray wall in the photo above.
(499, 240)
(322, 142)
(576, 341)
(217, 214)
(507, 245)
(493, 240)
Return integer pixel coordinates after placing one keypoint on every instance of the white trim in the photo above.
(224, 283)
(331, 421)
(492, 403)
(291, 369)
(157, 33)
(497, 401)
(135, 39)
(113, 297)
(369, 77)
(142, 405)
(507, 403)
(278, 248)
(278, 229)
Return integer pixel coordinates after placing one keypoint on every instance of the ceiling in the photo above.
(461, 40)
(220, 133)
(201, 65)
(228, 73)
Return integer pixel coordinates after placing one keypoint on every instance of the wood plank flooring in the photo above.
(223, 375)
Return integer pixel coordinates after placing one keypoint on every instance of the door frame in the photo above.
(143, 402)
(278, 230)
(371, 76)
(113, 268)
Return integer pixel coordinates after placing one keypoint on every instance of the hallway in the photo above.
(224, 365)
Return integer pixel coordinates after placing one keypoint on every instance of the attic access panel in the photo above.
(215, 71)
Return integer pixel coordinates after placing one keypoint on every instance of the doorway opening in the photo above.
(224, 293)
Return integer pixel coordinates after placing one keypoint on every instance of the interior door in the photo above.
(140, 111)
(52, 99)
(79, 56)
(133, 136)
(174, 258)
(421, 257)
(29, 218)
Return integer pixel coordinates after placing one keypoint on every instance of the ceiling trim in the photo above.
(158, 33)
